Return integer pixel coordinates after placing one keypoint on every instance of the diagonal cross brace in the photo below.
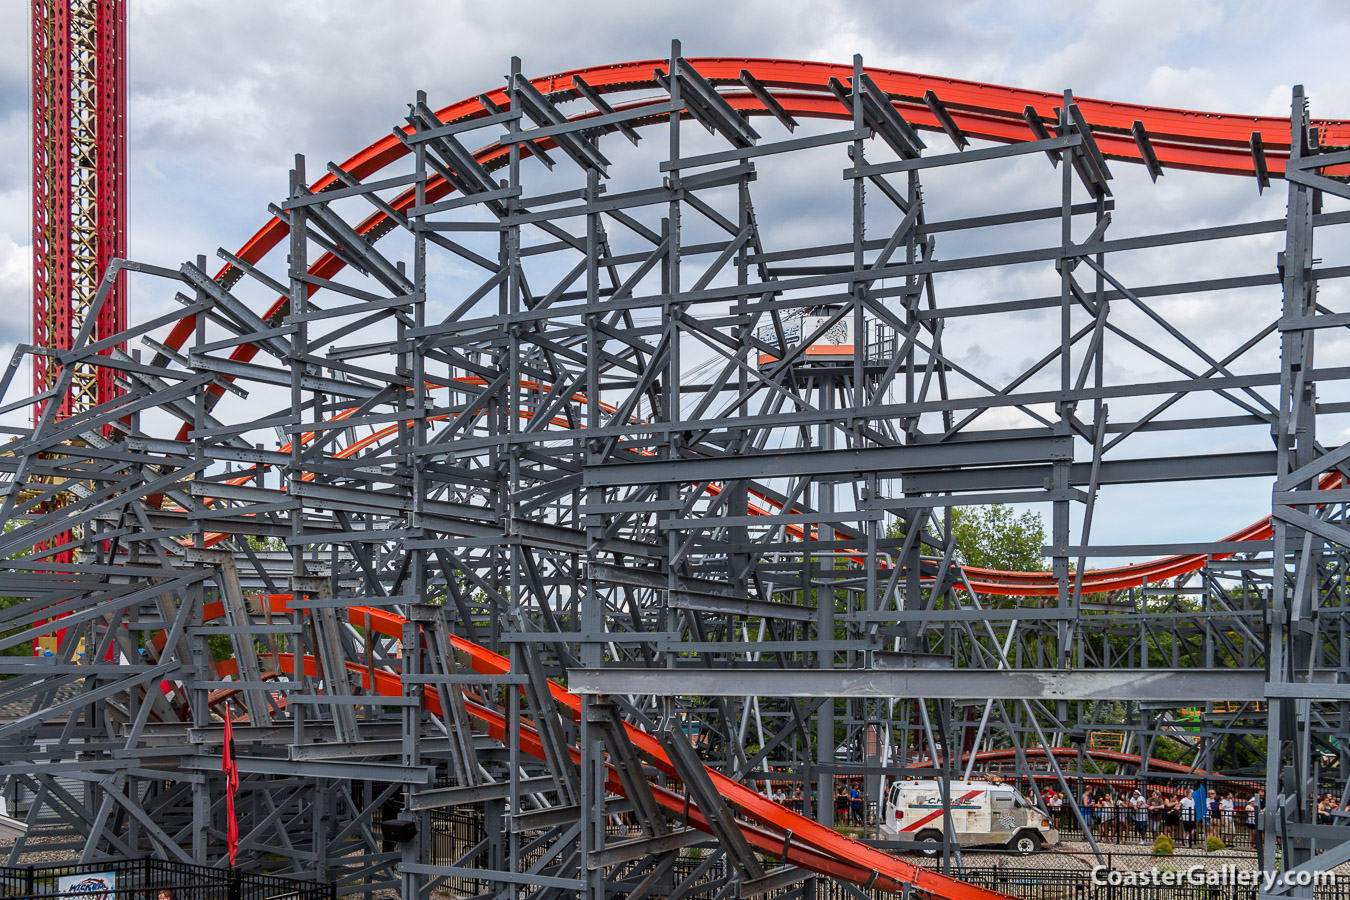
(710, 803)
(629, 766)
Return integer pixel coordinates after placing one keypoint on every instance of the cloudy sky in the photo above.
(222, 95)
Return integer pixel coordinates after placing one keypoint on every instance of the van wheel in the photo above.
(1025, 842)
(932, 841)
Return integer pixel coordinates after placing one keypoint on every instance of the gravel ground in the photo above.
(43, 848)
(1078, 856)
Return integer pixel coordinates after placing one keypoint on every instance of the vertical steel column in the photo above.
(415, 435)
(201, 655)
(819, 573)
(1297, 552)
(908, 560)
(670, 394)
(593, 712)
(522, 556)
(298, 260)
(856, 711)
(414, 664)
(1059, 518)
(507, 421)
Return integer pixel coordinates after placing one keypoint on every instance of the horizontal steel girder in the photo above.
(1179, 685)
(832, 462)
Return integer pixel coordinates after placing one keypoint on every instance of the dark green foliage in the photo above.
(996, 537)
(24, 649)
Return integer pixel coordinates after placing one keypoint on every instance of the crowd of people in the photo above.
(1132, 814)
(779, 793)
(1327, 805)
(850, 804)
(1137, 815)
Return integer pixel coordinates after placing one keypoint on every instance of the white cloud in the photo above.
(1189, 88)
(16, 264)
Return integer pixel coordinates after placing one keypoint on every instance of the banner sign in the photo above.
(92, 886)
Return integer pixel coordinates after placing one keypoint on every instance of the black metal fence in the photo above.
(458, 837)
(1027, 884)
(1037, 884)
(152, 879)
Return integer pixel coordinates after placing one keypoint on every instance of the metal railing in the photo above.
(153, 879)
(456, 832)
(1039, 884)
(1029, 884)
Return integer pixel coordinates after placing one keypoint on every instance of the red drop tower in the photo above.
(79, 193)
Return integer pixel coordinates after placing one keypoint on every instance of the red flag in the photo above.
(231, 771)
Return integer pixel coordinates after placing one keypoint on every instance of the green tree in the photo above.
(26, 648)
(996, 537)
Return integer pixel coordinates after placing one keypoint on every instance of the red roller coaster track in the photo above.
(772, 828)
(1180, 139)
(1183, 139)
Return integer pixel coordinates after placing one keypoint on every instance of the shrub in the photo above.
(1163, 846)
(1214, 845)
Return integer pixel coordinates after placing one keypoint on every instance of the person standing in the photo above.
(1140, 808)
(1227, 822)
(1188, 818)
(1252, 810)
(1106, 814)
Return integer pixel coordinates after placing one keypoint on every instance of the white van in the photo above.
(982, 814)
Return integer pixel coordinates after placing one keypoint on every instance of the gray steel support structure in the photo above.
(701, 476)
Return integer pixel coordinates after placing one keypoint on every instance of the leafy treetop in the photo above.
(996, 537)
